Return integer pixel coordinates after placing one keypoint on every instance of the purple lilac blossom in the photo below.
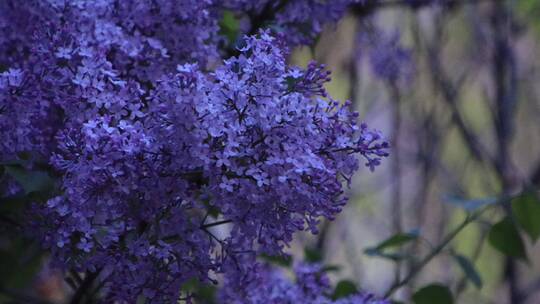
(388, 58)
(75, 58)
(300, 20)
(119, 98)
(271, 285)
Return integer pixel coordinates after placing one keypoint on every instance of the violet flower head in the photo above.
(309, 285)
(301, 21)
(143, 168)
(155, 145)
(388, 58)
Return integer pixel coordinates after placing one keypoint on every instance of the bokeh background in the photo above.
(455, 89)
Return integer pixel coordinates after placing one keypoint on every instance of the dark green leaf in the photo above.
(331, 268)
(15, 162)
(469, 270)
(312, 255)
(394, 256)
(433, 294)
(212, 210)
(229, 26)
(30, 181)
(140, 300)
(206, 294)
(398, 240)
(13, 203)
(19, 262)
(190, 285)
(530, 10)
(470, 204)
(526, 209)
(285, 260)
(344, 288)
(24, 156)
(291, 82)
(203, 293)
(504, 237)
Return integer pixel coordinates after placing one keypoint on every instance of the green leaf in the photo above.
(291, 82)
(229, 26)
(468, 268)
(393, 241)
(331, 268)
(13, 203)
(14, 162)
(529, 10)
(394, 256)
(203, 293)
(470, 204)
(344, 288)
(526, 209)
(284, 260)
(19, 261)
(433, 294)
(30, 181)
(206, 294)
(312, 255)
(397, 240)
(190, 285)
(213, 211)
(504, 237)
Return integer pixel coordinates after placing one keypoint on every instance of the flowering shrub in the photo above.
(154, 141)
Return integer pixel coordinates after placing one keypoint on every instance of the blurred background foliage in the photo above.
(453, 215)
(467, 133)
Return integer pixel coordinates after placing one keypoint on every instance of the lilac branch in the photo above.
(204, 226)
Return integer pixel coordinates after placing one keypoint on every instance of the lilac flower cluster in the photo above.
(301, 20)
(389, 60)
(75, 59)
(310, 285)
(154, 149)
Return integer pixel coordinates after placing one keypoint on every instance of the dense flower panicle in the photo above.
(269, 155)
(79, 57)
(154, 150)
(304, 20)
(301, 20)
(98, 47)
(271, 285)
